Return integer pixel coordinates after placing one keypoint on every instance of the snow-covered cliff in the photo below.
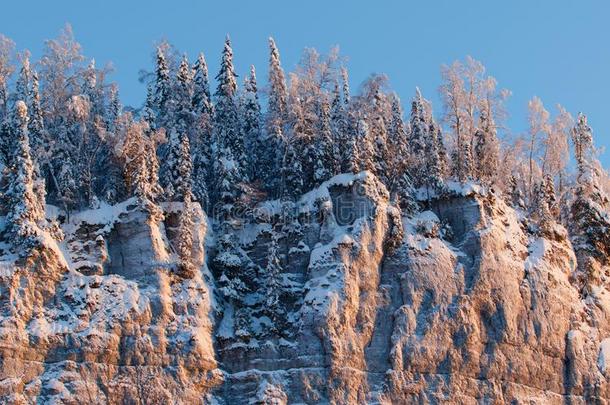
(457, 304)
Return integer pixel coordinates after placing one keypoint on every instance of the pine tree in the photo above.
(24, 207)
(251, 125)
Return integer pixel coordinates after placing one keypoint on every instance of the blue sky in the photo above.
(557, 50)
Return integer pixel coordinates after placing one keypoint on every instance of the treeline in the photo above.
(67, 140)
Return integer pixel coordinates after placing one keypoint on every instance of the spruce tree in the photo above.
(251, 126)
(178, 180)
(202, 101)
(273, 288)
(292, 173)
(418, 138)
(183, 97)
(114, 108)
(324, 159)
(162, 91)
(228, 139)
(275, 122)
(24, 209)
(338, 125)
(184, 245)
(202, 141)
(485, 149)
(23, 84)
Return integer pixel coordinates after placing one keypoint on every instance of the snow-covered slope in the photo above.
(458, 304)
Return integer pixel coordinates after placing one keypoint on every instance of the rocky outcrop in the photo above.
(459, 304)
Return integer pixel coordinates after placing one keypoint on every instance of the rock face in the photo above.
(458, 304)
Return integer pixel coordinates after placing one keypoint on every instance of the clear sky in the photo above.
(557, 50)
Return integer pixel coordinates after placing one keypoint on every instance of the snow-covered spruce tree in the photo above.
(418, 139)
(486, 149)
(324, 159)
(350, 159)
(23, 84)
(379, 135)
(550, 195)
(184, 244)
(433, 176)
(366, 149)
(273, 288)
(515, 196)
(541, 211)
(292, 173)
(114, 108)
(183, 97)
(202, 100)
(25, 211)
(228, 147)
(251, 125)
(162, 90)
(276, 120)
(135, 161)
(338, 127)
(590, 225)
(201, 145)
(178, 177)
(399, 181)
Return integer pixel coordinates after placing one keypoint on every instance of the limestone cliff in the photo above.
(458, 304)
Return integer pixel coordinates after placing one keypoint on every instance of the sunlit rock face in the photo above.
(457, 304)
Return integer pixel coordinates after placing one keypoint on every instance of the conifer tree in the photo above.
(366, 148)
(514, 194)
(184, 245)
(324, 159)
(418, 137)
(183, 97)
(251, 125)
(178, 180)
(273, 288)
(202, 141)
(162, 91)
(350, 159)
(485, 149)
(590, 219)
(23, 84)
(275, 122)
(114, 108)
(24, 208)
(292, 173)
(228, 138)
(202, 101)
(339, 129)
